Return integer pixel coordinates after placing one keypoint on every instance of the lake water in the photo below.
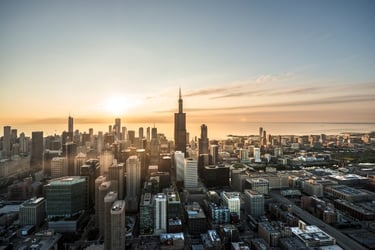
(215, 130)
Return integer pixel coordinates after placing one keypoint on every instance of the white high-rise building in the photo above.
(160, 213)
(106, 160)
(191, 173)
(179, 159)
(257, 155)
(79, 160)
(24, 144)
(133, 177)
(59, 167)
(232, 201)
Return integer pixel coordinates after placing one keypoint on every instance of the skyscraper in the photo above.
(106, 160)
(70, 152)
(257, 158)
(118, 225)
(24, 144)
(191, 173)
(59, 167)
(179, 163)
(214, 152)
(14, 148)
(154, 148)
(232, 201)
(140, 133)
(98, 182)
(203, 141)
(79, 160)
(254, 202)
(116, 176)
(109, 199)
(33, 211)
(118, 128)
(70, 124)
(133, 177)
(180, 127)
(160, 216)
(37, 149)
(146, 214)
(90, 170)
(148, 134)
(104, 189)
(100, 144)
(65, 196)
(6, 141)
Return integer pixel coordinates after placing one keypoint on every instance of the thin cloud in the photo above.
(268, 92)
(321, 101)
(236, 88)
(211, 91)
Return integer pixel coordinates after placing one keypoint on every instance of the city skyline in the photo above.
(252, 61)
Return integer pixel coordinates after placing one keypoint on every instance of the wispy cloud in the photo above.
(237, 88)
(270, 92)
(318, 101)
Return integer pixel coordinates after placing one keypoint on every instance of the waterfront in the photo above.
(215, 130)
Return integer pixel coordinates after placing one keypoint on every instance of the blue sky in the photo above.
(249, 60)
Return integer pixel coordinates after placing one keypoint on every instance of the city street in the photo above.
(341, 239)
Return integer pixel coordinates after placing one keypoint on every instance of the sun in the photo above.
(119, 105)
(115, 105)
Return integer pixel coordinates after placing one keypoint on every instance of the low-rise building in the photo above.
(312, 236)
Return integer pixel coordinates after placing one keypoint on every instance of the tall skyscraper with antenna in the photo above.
(180, 127)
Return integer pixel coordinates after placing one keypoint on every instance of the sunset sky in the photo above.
(244, 61)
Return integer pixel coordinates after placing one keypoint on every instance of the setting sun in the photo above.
(118, 105)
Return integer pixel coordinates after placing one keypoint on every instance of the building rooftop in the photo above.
(173, 197)
(160, 196)
(232, 195)
(171, 236)
(194, 211)
(348, 190)
(367, 210)
(348, 177)
(110, 196)
(252, 192)
(257, 180)
(147, 199)
(118, 206)
(68, 180)
(311, 233)
(174, 222)
(33, 201)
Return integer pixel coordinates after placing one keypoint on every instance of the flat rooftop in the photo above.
(348, 190)
(33, 201)
(67, 180)
(232, 195)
